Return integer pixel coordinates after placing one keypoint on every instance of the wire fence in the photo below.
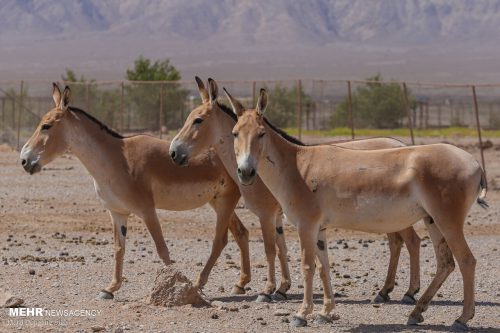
(349, 109)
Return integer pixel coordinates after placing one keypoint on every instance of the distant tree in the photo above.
(146, 97)
(374, 105)
(282, 109)
(103, 103)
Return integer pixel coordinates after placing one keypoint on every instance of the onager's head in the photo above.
(198, 132)
(248, 133)
(48, 140)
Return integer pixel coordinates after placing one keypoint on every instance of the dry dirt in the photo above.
(56, 253)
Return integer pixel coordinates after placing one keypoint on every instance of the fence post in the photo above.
(87, 97)
(121, 109)
(254, 97)
(476, 111)
(3, 114)
(161, 108)
(299, 108)
(19, 115)
(408, 111)
(349, 108)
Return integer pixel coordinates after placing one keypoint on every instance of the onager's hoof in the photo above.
(381, 298)
(278, 296)
(322, 319)
(459, 327)
(103, 294)
(298, 322)
(264, 298)
(415, 320)
(408, 299)
(237, 290)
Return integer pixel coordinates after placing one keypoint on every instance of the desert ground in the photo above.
(56, 253)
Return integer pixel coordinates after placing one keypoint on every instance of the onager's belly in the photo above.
(183, 195)
(375, 214)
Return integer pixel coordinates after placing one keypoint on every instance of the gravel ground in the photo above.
(56, 253)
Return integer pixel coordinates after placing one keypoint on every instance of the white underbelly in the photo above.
(184, 197)
(377, 215)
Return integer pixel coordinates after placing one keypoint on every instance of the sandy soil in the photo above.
(56, 253)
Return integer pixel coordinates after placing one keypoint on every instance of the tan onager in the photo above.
(209, 126)
(135, 175)
(368, 190)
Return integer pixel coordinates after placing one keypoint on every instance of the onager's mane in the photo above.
(103, 126)
(282, 133)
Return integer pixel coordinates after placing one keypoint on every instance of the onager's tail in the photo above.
(484, 188)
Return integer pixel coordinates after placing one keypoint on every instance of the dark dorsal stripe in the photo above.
(98, 122)
(282, 133)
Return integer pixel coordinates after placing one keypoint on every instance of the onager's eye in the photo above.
(197, 121)
(46, 127)
(261, 134)
(235, 134)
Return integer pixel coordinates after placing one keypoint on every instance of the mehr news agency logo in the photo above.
(45, 317)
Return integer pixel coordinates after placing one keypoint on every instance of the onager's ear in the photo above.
(202, 90)
(56, 94)
(262, 102)
(237, 107)
(213, 90)
(65, 99)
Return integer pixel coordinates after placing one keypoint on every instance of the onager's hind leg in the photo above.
(412, 242)
(445, 265)
(286, 281)
(119, 236)
(395, 244)
(240, 234)
(323, 267)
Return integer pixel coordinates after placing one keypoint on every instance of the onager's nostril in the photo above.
(23, 162)
(173, 154)
(252, 172)
(239, 171)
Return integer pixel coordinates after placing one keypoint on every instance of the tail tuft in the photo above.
(483, 185)
(482, 203)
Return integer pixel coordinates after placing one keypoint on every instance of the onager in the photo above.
(135, 175)
(209, 126)
(377, 191)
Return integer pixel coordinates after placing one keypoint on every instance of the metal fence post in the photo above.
(87, 97)
(19, 115)
(476, 111)
(349, 108)
(161, 108)
(121, 109)
(254, 97)
(299, 108)
(3, 114)
(408, 111)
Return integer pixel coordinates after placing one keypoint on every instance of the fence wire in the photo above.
(346, 109)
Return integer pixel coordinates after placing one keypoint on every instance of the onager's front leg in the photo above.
(119, 236)
(324, 273)
(308, 235)
(267, 224)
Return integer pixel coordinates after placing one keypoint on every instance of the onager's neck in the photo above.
(277, 165)
(224, 145)
(92, 145)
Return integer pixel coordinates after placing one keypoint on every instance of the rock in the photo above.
(172, 288)
(281, 312)
(97, 328)
(118, 330)
(31, 271)
(215, 316)
(7, 300)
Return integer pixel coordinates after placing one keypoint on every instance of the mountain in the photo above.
(257, 38)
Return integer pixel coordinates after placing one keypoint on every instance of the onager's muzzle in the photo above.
(30, 161)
